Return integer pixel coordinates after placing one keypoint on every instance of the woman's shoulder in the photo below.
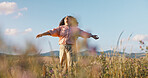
(61, 26)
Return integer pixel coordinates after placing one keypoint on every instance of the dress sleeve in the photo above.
(84, 34)
(55, 32)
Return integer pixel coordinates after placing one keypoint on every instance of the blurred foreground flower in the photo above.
(93, 51)
(141, 42)
(143, 46)
(147, 47)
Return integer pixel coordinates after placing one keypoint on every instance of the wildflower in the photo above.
(147, 47)
(93, 50)
(141, 42)
(51, 71)
(140, 46)
(107, 66)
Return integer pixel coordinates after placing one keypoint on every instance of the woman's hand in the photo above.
(39, 35)
(95, 37)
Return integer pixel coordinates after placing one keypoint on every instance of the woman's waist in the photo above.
(67, 41)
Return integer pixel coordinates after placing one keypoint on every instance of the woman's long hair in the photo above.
(74, 21)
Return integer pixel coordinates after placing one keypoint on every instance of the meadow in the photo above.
(102, 66)
(25, 66)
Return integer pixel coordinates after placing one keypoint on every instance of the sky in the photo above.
(22, 20)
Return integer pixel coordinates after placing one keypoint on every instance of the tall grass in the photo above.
(36, 66)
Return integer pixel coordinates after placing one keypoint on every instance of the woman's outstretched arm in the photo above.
(54, 32)
(87, 35)
(43, 34)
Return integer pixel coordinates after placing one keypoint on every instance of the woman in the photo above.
(68, 32)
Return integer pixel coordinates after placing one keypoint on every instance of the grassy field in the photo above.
(27, 66)
(86, 67)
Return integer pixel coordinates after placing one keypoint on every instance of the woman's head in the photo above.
(69, 20)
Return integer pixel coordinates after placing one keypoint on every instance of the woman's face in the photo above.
(67, 20)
